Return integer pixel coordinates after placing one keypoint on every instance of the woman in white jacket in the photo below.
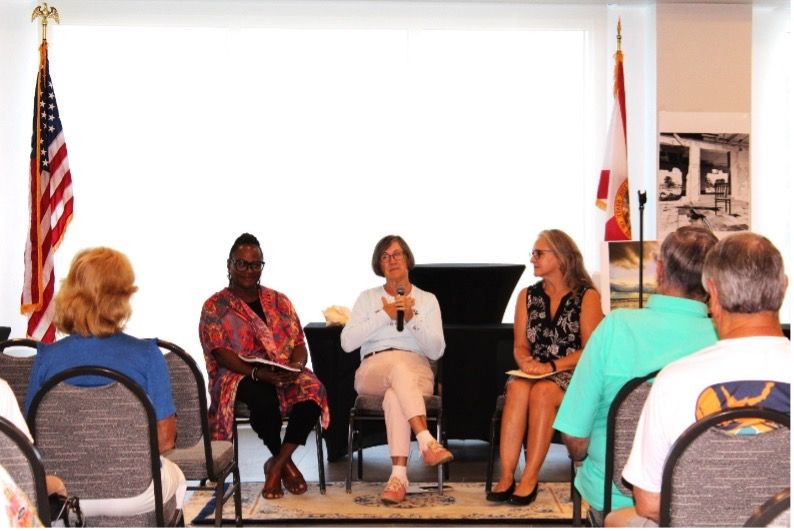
(398, 328)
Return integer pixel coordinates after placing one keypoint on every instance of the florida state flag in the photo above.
(613, 186)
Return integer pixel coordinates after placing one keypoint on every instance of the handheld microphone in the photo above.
(400, 313)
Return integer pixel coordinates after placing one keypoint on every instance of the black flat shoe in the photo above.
(524, 500)
(502, 496)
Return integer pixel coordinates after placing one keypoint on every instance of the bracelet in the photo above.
(553, 366)
(253, 374)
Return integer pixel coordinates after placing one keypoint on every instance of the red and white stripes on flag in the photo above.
(613, 186)
(51, 205)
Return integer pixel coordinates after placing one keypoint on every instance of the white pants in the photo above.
(174, 484)
(403, 378)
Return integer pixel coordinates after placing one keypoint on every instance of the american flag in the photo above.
(613, 184)
(51, 205)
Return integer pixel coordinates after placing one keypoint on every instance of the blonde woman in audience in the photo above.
(92, 307)
(553, 321)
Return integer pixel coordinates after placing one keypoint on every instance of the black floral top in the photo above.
(554, 336)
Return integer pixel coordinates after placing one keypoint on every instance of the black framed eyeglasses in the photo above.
(241, 265)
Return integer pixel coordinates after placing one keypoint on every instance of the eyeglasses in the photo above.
(396, 256)
(241, 265)
(538, 253)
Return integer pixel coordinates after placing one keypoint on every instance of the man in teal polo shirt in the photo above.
(632, 343)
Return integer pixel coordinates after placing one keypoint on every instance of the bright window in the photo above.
(319, 141)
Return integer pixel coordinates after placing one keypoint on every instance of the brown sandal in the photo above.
(274, 491)
(293, 480)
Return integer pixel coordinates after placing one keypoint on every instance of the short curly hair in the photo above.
(94, 298)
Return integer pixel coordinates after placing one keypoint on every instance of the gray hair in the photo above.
(747, 272)
(682, 254)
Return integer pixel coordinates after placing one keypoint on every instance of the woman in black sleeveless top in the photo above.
(553, 321)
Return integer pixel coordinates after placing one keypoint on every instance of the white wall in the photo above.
(475, 162)
(721, 63)
(772, 140)
(311, 253)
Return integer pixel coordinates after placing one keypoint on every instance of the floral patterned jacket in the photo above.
(228, 322)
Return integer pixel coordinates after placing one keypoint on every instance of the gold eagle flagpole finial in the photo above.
(45, 12)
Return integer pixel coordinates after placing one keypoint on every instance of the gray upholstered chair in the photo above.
(15, 368)
(714, 478)
(242, 415)
(370, 408)
(102, 442)
(622, 419)
(22, 462)
(775, 512)
(200, 458)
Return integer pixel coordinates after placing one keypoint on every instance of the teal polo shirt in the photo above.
(625, 345)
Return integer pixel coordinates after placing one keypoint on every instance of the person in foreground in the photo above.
(395, 357)
(9, 410)
(631, 343)
(553, 321)
(92, 306)
(16, 509)
(247, 320)
(751, 362)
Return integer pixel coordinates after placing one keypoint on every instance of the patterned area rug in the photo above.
(461, 503)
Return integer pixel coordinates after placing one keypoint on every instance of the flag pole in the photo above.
(612, 194)
(45, 12)
(641, 196)
(51, 196)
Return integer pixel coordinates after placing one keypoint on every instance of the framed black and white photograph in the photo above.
(703, 178)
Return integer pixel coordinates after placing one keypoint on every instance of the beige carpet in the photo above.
(460, 503)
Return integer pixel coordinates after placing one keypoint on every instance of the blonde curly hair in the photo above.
(94, 298)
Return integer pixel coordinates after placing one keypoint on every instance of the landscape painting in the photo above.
(624, 273)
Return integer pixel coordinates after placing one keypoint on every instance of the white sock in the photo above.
(400, 472)
(424, 439)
